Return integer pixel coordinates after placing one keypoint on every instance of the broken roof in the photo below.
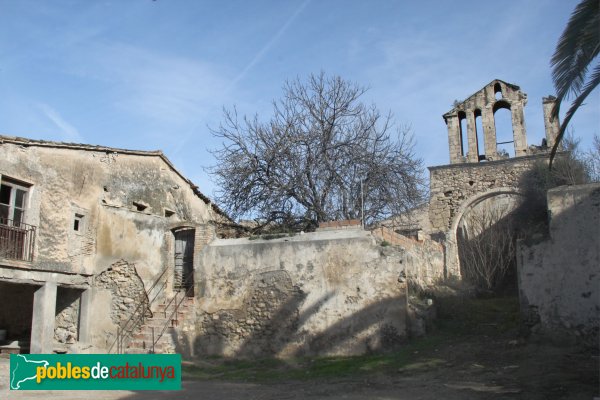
(88, 147)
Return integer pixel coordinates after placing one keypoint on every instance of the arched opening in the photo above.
(505, 145)
(486, 241)
(464, 140)
(480, 135)
(497, 91)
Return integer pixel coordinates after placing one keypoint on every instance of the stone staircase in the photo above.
(161, 327)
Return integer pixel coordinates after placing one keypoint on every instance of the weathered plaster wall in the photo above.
(103, 187)
(332, 292)
(128, 203)
(559, 277)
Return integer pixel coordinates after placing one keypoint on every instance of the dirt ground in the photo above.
(481, 369)
(486, 360)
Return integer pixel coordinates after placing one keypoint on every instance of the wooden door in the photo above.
(183, 278)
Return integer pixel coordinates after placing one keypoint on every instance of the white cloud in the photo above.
(155, 85)
(67, 132)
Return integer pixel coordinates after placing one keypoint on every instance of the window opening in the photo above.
(464, 140)
(13, 201)
(480, 136)
(78, 223)
(498, 91)
(139, 206)
(504, 130)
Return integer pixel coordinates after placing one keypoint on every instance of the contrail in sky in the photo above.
(268, 46)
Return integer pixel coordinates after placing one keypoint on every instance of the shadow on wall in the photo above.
(559, 281)
(273, 323)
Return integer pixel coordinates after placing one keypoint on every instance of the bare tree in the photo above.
(307, 163)
(591, 158)
(486, 244)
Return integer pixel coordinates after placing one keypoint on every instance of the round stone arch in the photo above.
(452, 259)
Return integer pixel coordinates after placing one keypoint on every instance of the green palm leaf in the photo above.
(577, 47)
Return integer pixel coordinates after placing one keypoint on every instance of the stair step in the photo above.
(163, 322)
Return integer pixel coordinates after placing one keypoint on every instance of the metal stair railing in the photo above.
(138, 316)
(188, 283)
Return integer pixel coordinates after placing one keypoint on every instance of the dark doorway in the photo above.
(183, 278)
(16, 314)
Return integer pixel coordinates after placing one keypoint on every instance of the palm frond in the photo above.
(587, 89)
(578, 45)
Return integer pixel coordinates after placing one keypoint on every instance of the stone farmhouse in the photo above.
(83, 231)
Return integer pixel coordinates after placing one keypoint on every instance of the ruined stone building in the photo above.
(111, 250)
(478, 173)
(557, 275)
(84, 232)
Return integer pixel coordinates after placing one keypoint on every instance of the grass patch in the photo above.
(269, 370)
(465, 316)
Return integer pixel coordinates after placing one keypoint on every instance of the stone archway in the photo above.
(452, 255)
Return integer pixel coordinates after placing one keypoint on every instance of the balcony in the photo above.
(17, 240)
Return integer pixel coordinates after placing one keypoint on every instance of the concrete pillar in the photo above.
(519, 134)
(551, 125)
(454, 142)
(44, 314)
(473, 155)
(85, 315)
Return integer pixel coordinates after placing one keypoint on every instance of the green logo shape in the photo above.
(95, 372)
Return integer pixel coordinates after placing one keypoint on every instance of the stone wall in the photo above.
(126, 288)
(423, 260)
(66, 325)
(484, 104)
(452, 185)
(559, 276)
(332, 292)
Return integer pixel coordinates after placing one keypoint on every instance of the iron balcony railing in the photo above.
(17, 240)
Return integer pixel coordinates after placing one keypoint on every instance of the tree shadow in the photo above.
(273, 324)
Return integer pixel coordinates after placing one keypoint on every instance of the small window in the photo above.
(139, 206)
(169, 213)
(498, 91)
(78, 223)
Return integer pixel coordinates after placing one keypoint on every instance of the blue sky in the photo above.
(149, 75)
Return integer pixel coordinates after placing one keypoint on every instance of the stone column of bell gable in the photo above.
(519, 131)
(489, 131)
(44, 314)
(551, 125)
(454, 139)
(473, 155)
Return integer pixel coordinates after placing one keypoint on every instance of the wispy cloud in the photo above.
(267, 46)
(67, 132)
(157, 86)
